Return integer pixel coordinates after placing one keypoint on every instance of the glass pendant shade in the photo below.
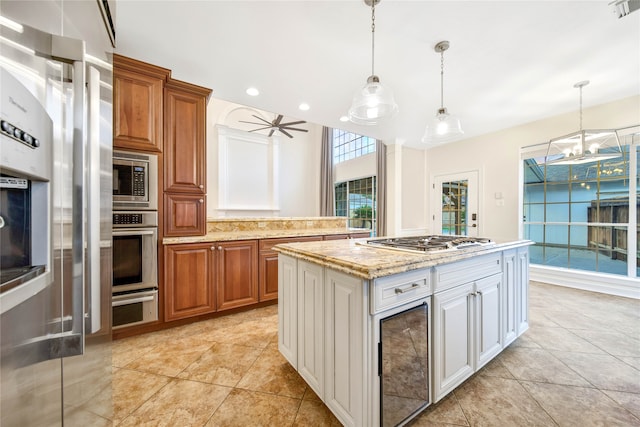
(372, 103)
(444, 127)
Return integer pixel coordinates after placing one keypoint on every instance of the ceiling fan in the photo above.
(276, 124)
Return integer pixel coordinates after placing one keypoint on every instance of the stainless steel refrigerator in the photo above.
(55, 212)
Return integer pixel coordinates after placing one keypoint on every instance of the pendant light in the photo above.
(444, 127)
(583, 146)
(373, 102)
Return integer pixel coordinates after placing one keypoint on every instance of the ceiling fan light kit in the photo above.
(373, 102)
(583, 146)
(444, 127)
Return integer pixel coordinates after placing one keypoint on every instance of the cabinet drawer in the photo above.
(458, 273)
(392, 291)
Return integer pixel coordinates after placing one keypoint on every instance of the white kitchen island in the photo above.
(380, 334)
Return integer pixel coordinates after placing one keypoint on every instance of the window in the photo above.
(357, 200)
(578, 215)
(348, 145)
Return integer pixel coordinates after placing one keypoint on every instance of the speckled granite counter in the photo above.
(367, 262)
(229, 229)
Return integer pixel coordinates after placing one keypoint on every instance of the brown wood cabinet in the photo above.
(346, 236)
(185, 159)
(189, 280)
(237, 283)
(184, 214)
(201, 278)
(138, 104)
(268, 268)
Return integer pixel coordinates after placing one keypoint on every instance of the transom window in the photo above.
(349, 145)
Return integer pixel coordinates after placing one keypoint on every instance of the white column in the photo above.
(394, 187)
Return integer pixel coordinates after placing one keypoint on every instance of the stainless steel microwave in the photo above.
(135, 181)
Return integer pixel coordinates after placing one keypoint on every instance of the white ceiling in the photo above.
(510, 62)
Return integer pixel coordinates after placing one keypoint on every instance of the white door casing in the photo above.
(470, 222)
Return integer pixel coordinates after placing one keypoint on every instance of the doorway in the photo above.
(455, 201)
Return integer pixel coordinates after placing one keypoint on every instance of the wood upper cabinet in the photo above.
(138, 104)
(237, 274)
(185, 138)
(189, 280)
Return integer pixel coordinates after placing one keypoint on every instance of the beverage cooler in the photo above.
(55, 212)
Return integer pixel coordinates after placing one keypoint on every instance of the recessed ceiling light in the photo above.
(304, 106)
(344, 119)
(252, 91)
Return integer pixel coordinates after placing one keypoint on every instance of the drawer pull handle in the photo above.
(407, 289)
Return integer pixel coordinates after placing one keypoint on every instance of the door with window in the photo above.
(455, 201)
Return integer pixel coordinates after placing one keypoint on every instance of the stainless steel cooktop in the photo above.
(430, 243)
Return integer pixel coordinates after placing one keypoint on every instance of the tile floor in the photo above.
(577, 365)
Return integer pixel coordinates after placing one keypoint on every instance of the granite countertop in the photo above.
(369, 263)
(224, 236)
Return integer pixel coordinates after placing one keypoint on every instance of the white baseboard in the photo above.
(586, 280)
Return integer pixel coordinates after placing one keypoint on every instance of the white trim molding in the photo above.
(586, 280)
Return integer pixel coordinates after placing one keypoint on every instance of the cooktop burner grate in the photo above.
(430, 243)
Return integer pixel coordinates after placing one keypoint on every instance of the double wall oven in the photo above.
(135, 238)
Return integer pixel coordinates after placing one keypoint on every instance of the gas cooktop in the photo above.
(430, 243)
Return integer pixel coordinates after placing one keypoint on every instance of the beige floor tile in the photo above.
(179, 403)
(611, 341)
(131, 389)
(629, 401)
(445, 412)
(539, 365)
(171, 357)
(525, 341)
(496, 368)
(631, 361)
(256, 333)
(603, 371)
(315, 414)
(580, 406)
(499, 402)
(244, 408)
(309, 394)
(273, 374)
(560, 339)
(222, 364)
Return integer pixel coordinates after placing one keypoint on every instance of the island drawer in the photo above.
(461, 272)
(393, 291)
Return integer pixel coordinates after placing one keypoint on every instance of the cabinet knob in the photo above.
(201, 200)
(219, 248)
(213, 248)
(201, 186)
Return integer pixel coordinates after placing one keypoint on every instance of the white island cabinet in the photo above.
(330, 316)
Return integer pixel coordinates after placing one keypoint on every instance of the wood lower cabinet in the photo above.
(346, 236)
(138, 104)
(237, 283)
(202, 278)
(184, 214)
(268, 268)
(189, 280)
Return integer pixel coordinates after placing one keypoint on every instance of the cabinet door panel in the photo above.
(453, 338)
(268, 276)
(137, 121)
(522, 289)
(310, 325)
(288, 309)
(237, 274)
(488, 330)
(184, 215)
(509, 301)
(189, 281)
(185, 151)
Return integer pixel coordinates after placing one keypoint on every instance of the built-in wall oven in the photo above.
(135, 239)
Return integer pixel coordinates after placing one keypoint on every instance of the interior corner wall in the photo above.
(497, 157)
(298, 166)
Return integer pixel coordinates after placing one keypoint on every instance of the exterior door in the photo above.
(455, 199)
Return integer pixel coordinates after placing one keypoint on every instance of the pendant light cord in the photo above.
(373, 34)
(580, 107)
(441, 79)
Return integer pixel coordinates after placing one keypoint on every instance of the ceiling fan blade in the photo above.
(271, 133)
(263, 120)
(286, 133)
(299, 122)
(254, 123)
(262, 128)
(289, 128)
(278, 119)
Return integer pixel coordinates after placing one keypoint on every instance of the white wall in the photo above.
(497, 157)
(298, 164)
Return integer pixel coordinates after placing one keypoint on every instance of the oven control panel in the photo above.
(126, 219)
